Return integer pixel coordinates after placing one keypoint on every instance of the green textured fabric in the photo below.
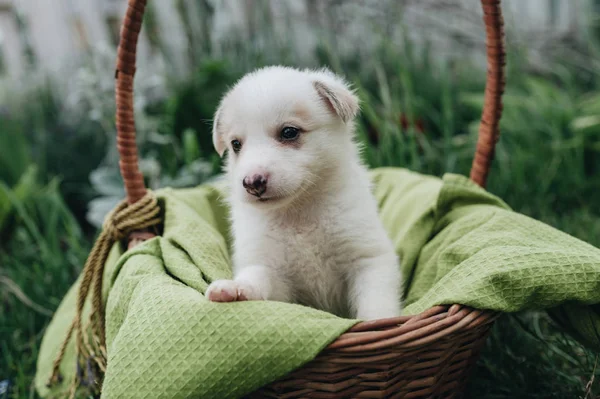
(458, 244)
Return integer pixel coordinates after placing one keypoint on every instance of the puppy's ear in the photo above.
(217, 134)
(336, 94)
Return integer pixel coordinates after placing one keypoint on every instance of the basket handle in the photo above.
(489, 131)
(133, 179)
(125, 71)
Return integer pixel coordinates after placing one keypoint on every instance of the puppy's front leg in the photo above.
(375, 288)
(251, 283)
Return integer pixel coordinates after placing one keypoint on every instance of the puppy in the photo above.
(305, 224)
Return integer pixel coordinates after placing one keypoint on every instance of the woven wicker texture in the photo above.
(126, 55)
(425, 356)
(489, 131)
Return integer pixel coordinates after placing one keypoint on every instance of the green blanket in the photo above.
(458, 243)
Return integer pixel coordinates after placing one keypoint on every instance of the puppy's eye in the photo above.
(236, 145)
(289, 133)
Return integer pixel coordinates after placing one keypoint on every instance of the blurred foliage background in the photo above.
(421, 100)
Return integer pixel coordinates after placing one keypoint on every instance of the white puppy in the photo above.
(305, 224)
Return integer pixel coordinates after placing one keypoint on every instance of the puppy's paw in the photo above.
(231, 291)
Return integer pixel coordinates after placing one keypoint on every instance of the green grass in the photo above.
(527, 357)
(416, 114)
(38, 263)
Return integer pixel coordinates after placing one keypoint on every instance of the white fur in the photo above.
(319, 240)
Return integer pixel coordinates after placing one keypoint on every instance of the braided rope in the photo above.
(123, 220)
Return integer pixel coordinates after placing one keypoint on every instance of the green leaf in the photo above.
(191, 147)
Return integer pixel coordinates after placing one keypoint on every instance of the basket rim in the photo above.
(411, 331)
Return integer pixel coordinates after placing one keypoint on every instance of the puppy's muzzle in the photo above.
(255, 185)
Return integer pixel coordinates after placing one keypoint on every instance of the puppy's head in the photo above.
(284, 130)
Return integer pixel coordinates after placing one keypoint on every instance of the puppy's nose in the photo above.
(255, 185)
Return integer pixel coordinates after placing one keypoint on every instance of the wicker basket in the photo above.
(428, 355)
